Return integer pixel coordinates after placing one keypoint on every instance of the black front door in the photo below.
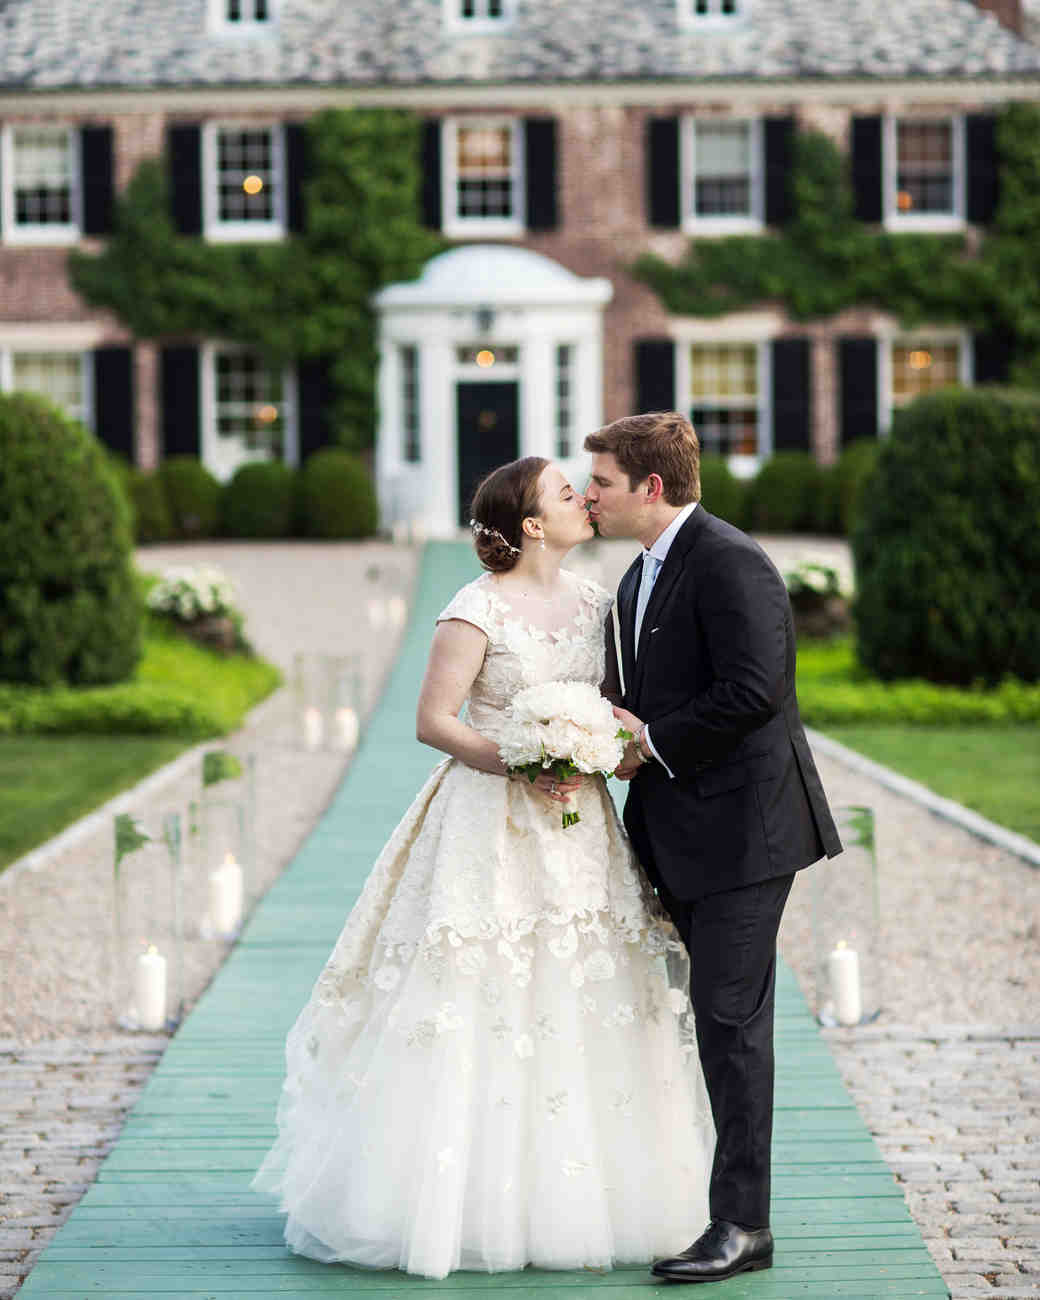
(487, 434)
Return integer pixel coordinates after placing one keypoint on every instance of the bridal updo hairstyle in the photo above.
(662, 443)
(502, 502)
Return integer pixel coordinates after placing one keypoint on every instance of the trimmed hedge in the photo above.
(722, 492)
(192, 496)
(851, 473)
(152, 519)
(337, 498)
(68, 606)
(947, 548)
(260, 500)
(784, 495)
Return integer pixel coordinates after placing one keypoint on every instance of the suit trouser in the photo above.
(731, 939)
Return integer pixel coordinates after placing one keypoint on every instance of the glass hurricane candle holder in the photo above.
(148, 934)
(343, 701)
(846, 924)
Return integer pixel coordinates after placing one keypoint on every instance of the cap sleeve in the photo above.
(471, 605)
(598, 598)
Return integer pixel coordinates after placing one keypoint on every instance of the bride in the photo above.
(498, 1066)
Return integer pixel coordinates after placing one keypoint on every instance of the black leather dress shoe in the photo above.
(721, 1251)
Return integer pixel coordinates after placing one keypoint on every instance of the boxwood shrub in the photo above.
(69, 610)
(947, 549)
(337, 498)
(260, 500)
(192, 495)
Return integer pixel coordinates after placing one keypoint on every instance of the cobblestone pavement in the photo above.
(955, 1108)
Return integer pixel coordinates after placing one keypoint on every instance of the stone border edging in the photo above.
(1020, 845)
(40, 857)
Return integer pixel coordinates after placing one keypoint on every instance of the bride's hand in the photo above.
(554, 788)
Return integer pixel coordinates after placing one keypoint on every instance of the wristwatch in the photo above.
(639, 745)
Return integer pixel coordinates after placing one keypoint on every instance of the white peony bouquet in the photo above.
(563, 728)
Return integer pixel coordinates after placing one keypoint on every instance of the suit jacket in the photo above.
(715, 680)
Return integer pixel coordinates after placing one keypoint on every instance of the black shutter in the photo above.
(114, 399)
(779, 147)
(179, 388)
(295, 175)
(867, 168)
(994, 353)
(314, 401)
(184, 159)
(98, 180)
(983, 180)
(662, 172)
(858, 368)
(655, 375)
(792, 395)
(540, 172)
(431, 174)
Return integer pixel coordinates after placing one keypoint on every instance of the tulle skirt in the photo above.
(523, 1095)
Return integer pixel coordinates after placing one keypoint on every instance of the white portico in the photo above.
(494, 352)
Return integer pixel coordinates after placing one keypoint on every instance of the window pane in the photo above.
(922, 367)
(924, 180)
(249, 402)
(724, 394)
(564, 399)
(484, 164)
(57, 375)
(245, 174)
(42, 176)
(722, 167)
(410, 401)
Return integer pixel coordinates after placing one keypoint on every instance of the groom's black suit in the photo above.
(714, 679)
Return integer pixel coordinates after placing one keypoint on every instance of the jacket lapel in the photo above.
(666, 580)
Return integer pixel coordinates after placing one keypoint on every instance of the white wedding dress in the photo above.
(497, 1066)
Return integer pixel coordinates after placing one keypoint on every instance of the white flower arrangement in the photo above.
(562, 727)
(189, 593)
(811, 577)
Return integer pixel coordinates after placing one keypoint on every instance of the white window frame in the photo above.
(573, 350)
(218, 21)
(891, 338)
(482, 23)
(690, 20)
(209, 438)
(216, 230)
(416, 349)
(458, 227)
(8, 352)
(715, 224)
(925, 222)
(53, 232)
(745, 329)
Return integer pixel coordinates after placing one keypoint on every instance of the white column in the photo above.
(440, 438)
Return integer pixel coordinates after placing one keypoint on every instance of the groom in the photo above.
(725, 803)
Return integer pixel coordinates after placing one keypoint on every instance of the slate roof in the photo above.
(51, 44)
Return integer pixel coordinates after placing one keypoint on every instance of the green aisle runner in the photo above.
(172, 1216)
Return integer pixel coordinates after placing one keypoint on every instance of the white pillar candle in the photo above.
(843, 971)
(150, 990)
(397, 611)
(225, 897)
(377, 611)
(312, 727)
(347, 727)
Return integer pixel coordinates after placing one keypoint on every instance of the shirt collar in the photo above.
(661, 547)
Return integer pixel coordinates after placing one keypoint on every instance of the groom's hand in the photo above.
(630, 763)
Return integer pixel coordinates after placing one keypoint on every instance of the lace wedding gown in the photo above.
(497, 1065)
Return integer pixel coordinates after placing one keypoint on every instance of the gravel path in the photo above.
(948, 1079)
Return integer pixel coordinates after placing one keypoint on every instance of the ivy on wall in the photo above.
(306, 296)
(825, 260)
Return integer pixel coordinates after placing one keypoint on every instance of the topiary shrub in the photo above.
(152, 520)
(69, 610)
(855, 465)
(784, 494)
(722, 492)
(947, 548)
(337, 498)
(260, 500)
(192, 495)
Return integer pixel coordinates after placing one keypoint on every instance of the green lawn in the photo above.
(994, 770)
(46, 782)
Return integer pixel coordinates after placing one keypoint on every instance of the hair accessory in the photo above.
(478, 527)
